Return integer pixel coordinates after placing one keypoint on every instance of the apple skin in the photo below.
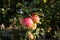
(35, 18)
(28, 22)
(34, 26)
(30, 36)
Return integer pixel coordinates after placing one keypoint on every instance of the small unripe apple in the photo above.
(30, 36)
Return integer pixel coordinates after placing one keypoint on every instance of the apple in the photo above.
(28, 22)
(30, 36)
(35, 18)
(34, 26)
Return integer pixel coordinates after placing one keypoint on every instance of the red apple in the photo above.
(35, 18)
(28, 22)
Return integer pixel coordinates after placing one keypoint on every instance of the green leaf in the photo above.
(36, 1)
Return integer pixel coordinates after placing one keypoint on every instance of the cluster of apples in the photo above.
(30, 22)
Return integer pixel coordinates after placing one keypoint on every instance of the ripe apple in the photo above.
(28, 22)
(35, 18)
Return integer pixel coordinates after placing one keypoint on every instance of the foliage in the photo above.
(48, 11)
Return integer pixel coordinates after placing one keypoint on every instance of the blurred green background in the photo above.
(11, 10)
